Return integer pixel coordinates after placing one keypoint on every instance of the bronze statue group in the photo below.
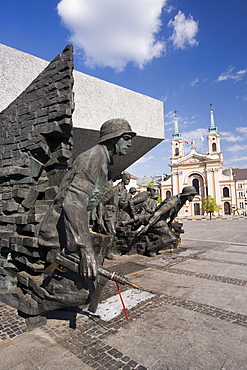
(90, 220)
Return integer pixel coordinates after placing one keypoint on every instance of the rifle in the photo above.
(161, 209)
(64, 262)
(131, 221)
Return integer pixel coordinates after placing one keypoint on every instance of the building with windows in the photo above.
(205, 172)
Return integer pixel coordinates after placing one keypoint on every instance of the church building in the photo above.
(206, 174)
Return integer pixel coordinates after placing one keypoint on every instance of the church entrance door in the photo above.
(197, 209)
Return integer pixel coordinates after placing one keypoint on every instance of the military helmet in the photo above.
(115, 127)
(132, 190)
(189, 190)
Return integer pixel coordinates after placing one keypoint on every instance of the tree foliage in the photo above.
(209, 205)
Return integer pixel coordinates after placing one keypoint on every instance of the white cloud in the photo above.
(242, 97)
(242, 130)
(114, 33)
(230, 137)
(237, 148)
(169, 118)
(231, 75)
(236, 160)
(184, 31)
(164, 98)
(195, 135)
(183, 122)
(169, 8)
(194, 83)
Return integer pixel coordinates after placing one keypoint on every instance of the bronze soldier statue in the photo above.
(131, 193)
(161, 220)
(136, 203)
(65, 226)
(109, 209)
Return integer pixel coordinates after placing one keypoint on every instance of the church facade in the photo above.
(205, 172)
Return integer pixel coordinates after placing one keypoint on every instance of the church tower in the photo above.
(177, 142)
(213, 136)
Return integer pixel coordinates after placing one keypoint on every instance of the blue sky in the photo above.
(187, 53)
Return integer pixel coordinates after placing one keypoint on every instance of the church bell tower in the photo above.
(177, 142)
(213, 136)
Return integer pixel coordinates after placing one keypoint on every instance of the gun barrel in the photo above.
(116, 277)
(72, 263)
(135, 286)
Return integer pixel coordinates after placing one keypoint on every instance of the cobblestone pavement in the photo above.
(197, 318)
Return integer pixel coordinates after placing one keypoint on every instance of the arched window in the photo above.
(168, 194)
(176, 151)
(226, 193)
(195, 183)
(214, 147)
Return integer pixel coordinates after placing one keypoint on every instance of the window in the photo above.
(240, 185)
(241, 204)
(240, 194)
(195, 183)
(168, 194)
(176, 151)
(214, 147)
(226, 193)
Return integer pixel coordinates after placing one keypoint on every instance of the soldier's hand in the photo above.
(88, 264)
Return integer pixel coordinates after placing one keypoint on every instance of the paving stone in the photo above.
(195, 326)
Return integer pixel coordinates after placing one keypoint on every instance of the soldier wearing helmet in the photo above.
(109, 209)
(168, 210)
(65, 226)
(132, 190)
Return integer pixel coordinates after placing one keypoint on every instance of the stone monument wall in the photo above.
(96, 101)
(35, 151)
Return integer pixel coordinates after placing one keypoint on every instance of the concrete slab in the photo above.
(224, 255)
(112, 307)
(215, 268)
(37, 350)
(200, 324)
(204, 291)
(236, 248)
(179, 342)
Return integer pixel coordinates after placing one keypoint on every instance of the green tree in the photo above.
(209, 205)
(158, 200)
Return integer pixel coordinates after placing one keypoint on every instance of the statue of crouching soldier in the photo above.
(139, 207)
(160, 223)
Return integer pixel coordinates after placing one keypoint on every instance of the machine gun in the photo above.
(72, 263)
(64, 262)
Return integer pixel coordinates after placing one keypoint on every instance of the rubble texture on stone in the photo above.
(35, 152)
